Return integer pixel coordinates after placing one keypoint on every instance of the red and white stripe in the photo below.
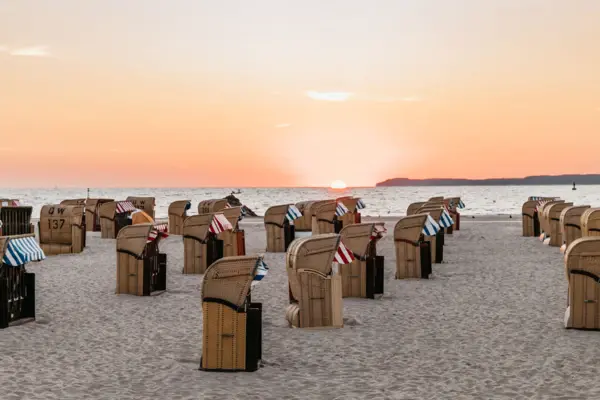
(219, 224)
(154, 233)
(378, 232)
(125, 206)
(343, 255)
(162, 227)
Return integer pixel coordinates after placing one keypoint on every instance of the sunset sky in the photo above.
(295, 93)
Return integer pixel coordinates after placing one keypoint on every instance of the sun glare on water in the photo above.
(338, 184)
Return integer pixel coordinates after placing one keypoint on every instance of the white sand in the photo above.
(487, 326)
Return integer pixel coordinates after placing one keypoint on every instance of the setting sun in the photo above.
(338, 184)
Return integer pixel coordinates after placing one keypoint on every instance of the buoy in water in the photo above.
(574, 188)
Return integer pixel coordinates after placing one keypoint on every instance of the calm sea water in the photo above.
(385, 201)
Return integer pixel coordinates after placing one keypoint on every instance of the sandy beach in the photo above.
(489, 325)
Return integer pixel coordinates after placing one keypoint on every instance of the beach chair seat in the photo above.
(413, 252)
(315, 289)
(232, 323)
(141, 267)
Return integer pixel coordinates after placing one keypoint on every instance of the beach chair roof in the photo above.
(412, 208)
(357, 237)
(212, 205)
(410, 227)
(572, 215)
(179, 207)
(132, 239)
(276, 215)
(18, 250)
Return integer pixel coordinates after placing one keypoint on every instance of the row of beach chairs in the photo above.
(575, 229)
(330, 255)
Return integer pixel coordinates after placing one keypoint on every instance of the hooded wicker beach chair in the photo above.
(234, 239)
(73, 202)
(325, 218)
(363, 277)
(414, 207)
(353, 205)
(307, 209)
(531, 221)
(146, 204)
(315, 287)
(590, 222)
(454, 204)
(16, 218)
(232, 323)
(280, 227)
(115, 215)
(413, 252)
(553, 212)
(178, 214)
(582, 267)
(570, 223)
(212, 206)
(17, 286)
(545, 218)
(141, 267)
(92, 214)
(437, 240)
(201, 244)
(62, 229)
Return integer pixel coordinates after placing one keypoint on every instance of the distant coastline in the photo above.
(588, 179)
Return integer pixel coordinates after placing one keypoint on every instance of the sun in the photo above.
(338, 184)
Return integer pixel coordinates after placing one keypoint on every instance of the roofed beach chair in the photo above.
(590, 222)
(15, 218)
(212, 206)
(552, 215)
(353, 206)
(363, 277)
(73, 202)
(234, 239)
(414, 207)
(443, 220)
(570, 223)
(115, 215)
(280, 227)
(92, 214)
(315, 284)
(141, 267)
(326, 217)
(201, 245)
(232, 323)
(17, 286)
(304, 224)
(544, 217)
(62, 229)
(145, 204)
(177, 214)
(582, 267)
(413, 252)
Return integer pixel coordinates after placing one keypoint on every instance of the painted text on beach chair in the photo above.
(413, 254)
(62, 229)
(280, 232)
(17, 286)
(570, 224)
(212, 205)
(315, 289)
(146, 204)
(114, 215)
(582, 267)
(201, 247)
(141, 268)
(178, 214)
(92, 214)
(232, 323)
(363, 277)
(16, 219)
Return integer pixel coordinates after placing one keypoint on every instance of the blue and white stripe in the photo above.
(261, 272)
(360, 204)
(431, 227)
(20, 251)
(293, 213)
(341, 209)
(461, 205)
(446, 220)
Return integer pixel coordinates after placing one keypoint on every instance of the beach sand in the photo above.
(488, 325)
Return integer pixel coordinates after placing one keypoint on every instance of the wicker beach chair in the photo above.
(114, 215)
(146, 204)
(414, 207)
(16, 218)
(232, 323)
(582, 267)
(590, 222)
(413, 252)
(212, 206)
(279, 227)
(178, 214)
(315, 288)
(324, 218)
(438, 240)
(62, 229)
(545, 218)
(201, 245)
(92, 214)
(234, 239)
(570, 223)
(553, 212)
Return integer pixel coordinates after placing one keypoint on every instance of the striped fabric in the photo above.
(341, 209)
(446, 220)
(125, 206)
(379, 231)
(161, 227)
(431, 227)
(261, 272)
(154, 233)
(293, 213)
(20, 251)
(219, 224)
(343, 255)
(11, 203)
(460, 205)
(360, 204)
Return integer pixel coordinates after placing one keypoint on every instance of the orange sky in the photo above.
(236, 93)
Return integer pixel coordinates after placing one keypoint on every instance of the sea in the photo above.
(380, 201)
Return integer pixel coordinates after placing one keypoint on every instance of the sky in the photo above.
(237, 93)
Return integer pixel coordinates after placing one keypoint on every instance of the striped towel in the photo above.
(219, 224)
(360, 204)
(341, 209)
(446, 220)
(431, 227)
(293, 213)
(154, 233)
(378, 232)
(20, 251)
(343, 255)
(125, 206)
(261, 271)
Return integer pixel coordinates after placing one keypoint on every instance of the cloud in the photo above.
(329, 96)
(286, 125)
(35, 51)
